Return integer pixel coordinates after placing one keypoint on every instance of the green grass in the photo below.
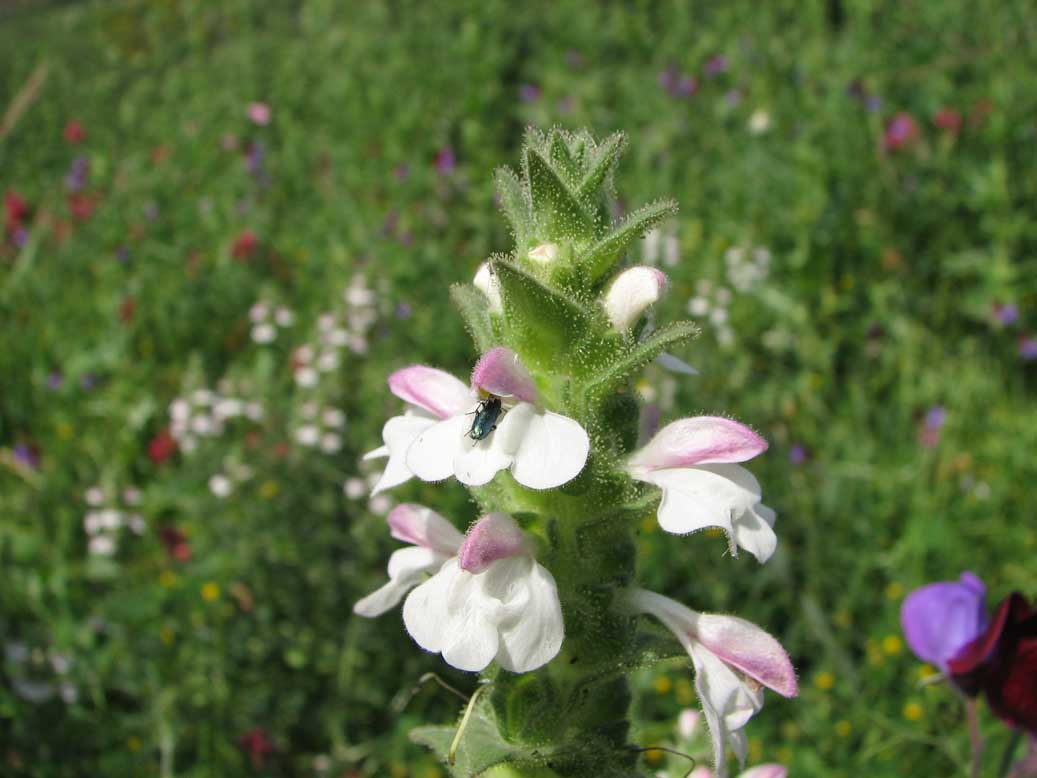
(885, 269)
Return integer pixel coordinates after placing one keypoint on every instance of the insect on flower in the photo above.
(485, 420)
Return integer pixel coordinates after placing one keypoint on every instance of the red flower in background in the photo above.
(74, 132)
(81, 205)
(128, 309)
(16, 211)
(244, 245)
(175, 543)
(257, 745)
(1002, 662)
(162, 446)
(948, 119)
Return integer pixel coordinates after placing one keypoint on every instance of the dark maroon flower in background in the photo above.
(257, 744)
(175, 543)
(901, 132)
(244, 245)
(16, 211)
(162, 446)
(948, 119)
(1002, 663)
(74, 132)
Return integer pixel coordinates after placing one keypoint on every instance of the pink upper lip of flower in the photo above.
(699, 440)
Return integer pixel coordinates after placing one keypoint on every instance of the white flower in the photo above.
(493, 601)
(307, 435)
(543, 449)
(691, 460)
(354, 488)
(264, 333)
(180, 410)
(306, 377)
(759, 122)
(380, 504)
(545, 253)
(486, 282)
(330, 442)
(631, 293)
(698, 306)
(733, 658)
(433, 541)
(333, 418)
(671, 251)
(131, 495)
(284, 317)
(94, 496)
(254, 411)
(102, 545)
(220, 485)
(327, 361)
(258, 312)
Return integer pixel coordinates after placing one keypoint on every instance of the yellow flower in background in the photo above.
(269, 490)
(894, 591)
(824, 681)
(684, 692)
(892, 645)
(843, 728)
(662, 684)
(913, 711)
(166, 635)
(210, 591)
(653, 756)
(167, 579)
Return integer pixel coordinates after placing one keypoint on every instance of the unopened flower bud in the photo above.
(486, 282)
(631, 293)
(545, 253)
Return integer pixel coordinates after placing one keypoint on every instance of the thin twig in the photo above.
(25, 97)
(668, 750)
(975, 738)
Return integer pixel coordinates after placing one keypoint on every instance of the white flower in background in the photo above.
(354, 488)
(264, 333)
(330, 442)
(733, 658)
(631, 293)
(131, 496)
(94, 496)
(380, 504)
(333, 418)
(284, 317)
(265, 322)
(433, 541)
(759, 122)
(542, 449)
(692, 461)
(545, 253)
(493, 601)
(671, 251)
(327, 361)
(307, 435)
(258, 312)
(486, 282)
(101, 545)
(220, 485)
(306, 377)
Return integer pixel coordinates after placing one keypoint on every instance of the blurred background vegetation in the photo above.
(225, 223)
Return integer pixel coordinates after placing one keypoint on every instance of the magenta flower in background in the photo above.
(797, 454)
(1007, 314)
(929, 434)
(716, 65)
(529, 93)
(948, 119)
(901, 132)
(1028, 348)
(259, 113)
(446, 161)
(939, 620)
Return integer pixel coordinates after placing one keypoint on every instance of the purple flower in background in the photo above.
(667, 80)
(446, 161)
(732, 97)
(55, 380)
(403, 311)
(797, 454)
(1028, 348)
(687, 86)
(151, 211)
(929, 434)
(716, 65)
(255, 158)
(88, 381)
(941, 619)
(20, 236)
(1007, 314)
(873, 103)
(26, 455)
(122, 254)
(78, 173)
(529, 93)
(676, 84)
(901, 131)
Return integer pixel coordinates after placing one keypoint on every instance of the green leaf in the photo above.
(475, 310)
(558, 213)
(562, 160)
(600, 257)
(514, 203)
(640, 354)
(546, 321)
(602, 163)
(479, 749)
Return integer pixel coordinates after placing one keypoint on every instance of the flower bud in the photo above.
(631, 293)
(486, 282)
(545, 253)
